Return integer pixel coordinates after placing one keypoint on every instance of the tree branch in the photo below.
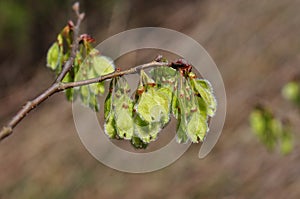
(60, 86)
(69, 64)
(7, 130)
(133, 70)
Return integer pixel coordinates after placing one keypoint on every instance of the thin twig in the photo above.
(69, 64)
(60, 86)
(7, 130)
(133, 70)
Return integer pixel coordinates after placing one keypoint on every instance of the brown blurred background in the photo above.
(256, 46)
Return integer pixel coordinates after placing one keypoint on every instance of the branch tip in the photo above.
(75, 7)
(158, 58)
(5, 132)
(81, 16)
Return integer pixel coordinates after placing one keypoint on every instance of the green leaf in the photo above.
(163, 96)
(60, 40)
(204, 89)
(270, 130)
(123, 116)
(192, 117)
(166, 79)
(103, 65)
(124, 124)
(96, 65)
(275, 126)
(138, 143)
(110, 126)
(266, 127)
(154, 106)
(286, 145)
(93, 66)
(202, 107)
(146, 131)
(108, 100)
(77, 62)
(181, 136)
(123, 107)
(70, 94)
(152, 109)
(258, 122)
(291, 91)
(183, 106)
(70, 91)
(97, 88)
(93, 102)
(88, 98)
(54, 57)
(143, 107)
(146, 80)
(120, 105)
(84, 94)
(175, 107)
(197, 127)
(164, 76)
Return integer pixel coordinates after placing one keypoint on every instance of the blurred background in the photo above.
(255, 45)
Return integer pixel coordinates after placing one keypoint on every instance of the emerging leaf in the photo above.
(286, 142)
(175, 107)
(70, 91)
(193, 120)
(181, 136)
(152, 109)
(108, 100)
(291, 92)
(84, 92)
(119, 104)
(145, 131)
(93, 66)
(54, 57)
(164, 76)
(190, 100)
(197, 127)
(258, 122)
(153, 106)
(103, 65)
(205, 91)
(93, 102)
(110, 126)
(271, 130)
(138, 143)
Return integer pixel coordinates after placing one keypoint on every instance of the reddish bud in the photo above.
(182, 65)
(140, 90)
(87, 38)
(70, 24)
(151, 84)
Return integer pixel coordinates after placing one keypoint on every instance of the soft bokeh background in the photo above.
(256, 46)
